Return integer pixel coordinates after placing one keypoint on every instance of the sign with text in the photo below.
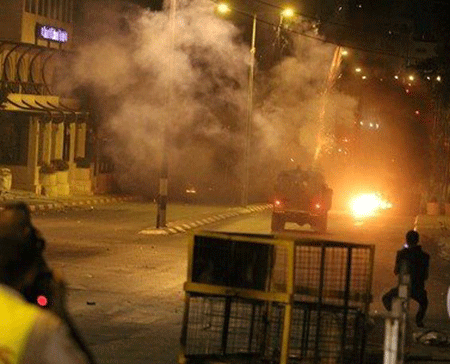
(51, 33)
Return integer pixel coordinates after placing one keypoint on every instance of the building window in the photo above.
(60, 9)
(41, 7)
(32, 6)
(66, 6)
(63, 10)
(52, 9)
(57, 3)
(46, 4)
(70, 11)
(14, 139)
(28, 6)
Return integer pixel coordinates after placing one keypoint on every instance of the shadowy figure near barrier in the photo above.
(416, 263)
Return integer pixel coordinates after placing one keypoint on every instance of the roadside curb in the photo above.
(38, 207)
(176, 227)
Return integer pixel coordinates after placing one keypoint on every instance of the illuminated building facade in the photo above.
(44, 133)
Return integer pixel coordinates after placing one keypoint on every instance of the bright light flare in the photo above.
(223, 8)
(288, 13)
(367, 205)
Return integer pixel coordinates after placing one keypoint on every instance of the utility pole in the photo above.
(249, 116)
(161, 220)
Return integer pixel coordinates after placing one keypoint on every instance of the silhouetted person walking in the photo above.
(416, 263)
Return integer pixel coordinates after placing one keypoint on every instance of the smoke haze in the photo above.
(128, 69)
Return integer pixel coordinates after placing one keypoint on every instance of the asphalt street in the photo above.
(125, 288)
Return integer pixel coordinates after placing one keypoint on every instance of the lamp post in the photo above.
(248, 125)
(286, 13)
(164, 171)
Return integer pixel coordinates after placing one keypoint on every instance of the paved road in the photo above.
(126, 288)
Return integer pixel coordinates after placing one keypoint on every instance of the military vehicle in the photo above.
(302, 197)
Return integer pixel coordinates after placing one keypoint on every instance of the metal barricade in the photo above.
(260, 299)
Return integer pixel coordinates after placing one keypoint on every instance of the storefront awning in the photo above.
(55, 107)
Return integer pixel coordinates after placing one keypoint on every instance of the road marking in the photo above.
(154, 232)
(176, 227)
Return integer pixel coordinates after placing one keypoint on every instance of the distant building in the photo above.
(403, 28)
(44, 133)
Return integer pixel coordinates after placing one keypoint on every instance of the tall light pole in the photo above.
(161, 220)
(249, 122)
(286, 13)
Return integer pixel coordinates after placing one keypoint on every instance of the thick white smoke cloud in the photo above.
(297, 109)
(128, 67)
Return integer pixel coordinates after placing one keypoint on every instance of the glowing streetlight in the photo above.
(223, 8)
(344, 52)
(411, 77)
(287, 13)
(438, 78)
(358, 69)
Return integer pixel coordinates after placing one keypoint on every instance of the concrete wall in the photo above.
(19, 26)
(10, 19)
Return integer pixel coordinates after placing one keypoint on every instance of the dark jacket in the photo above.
(417, 263)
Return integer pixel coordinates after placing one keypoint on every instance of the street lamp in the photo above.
(161, 213)
(285, 13)
(223, 8)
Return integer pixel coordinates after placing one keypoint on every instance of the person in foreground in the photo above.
(416, 262)
(30, 334)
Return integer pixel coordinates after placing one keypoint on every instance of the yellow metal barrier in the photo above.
(252, 299)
